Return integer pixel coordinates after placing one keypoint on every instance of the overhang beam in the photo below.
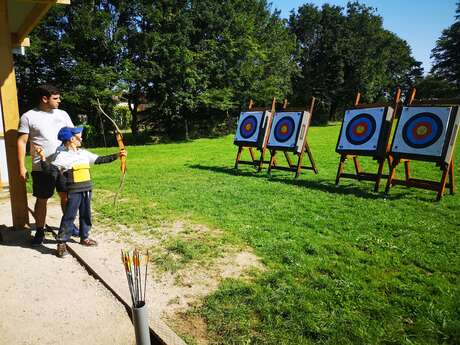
(15, 43)
(59, 2)
(35, 15)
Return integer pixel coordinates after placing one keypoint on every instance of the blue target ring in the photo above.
(248, 127)
(360, 129)
(284, 129)
(422, 130)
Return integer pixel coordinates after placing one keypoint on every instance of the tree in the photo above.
(212, 57)
(342, 51)
(446, 54)
(435, 87)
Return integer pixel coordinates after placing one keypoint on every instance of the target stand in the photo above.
(252, 133)
(365, 131)
(289, 134)
(426, 131)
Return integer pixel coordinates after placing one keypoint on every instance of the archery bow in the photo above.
(121, 147)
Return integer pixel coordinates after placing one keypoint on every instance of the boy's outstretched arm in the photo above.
(110, 158)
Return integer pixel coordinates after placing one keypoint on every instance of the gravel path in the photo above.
(47, 300)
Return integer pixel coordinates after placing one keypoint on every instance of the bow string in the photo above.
(121, 147)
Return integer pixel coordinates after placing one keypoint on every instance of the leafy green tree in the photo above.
(211, 57)
(342, 51)
(435, 87)
(446, 54)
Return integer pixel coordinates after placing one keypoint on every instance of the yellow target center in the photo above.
(284, 129)
(422, 130)
(360, 129)
(248, 126)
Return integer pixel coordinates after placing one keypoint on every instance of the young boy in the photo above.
(72, 164)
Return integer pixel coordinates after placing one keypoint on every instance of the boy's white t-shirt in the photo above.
(43, 128)
(66, 159)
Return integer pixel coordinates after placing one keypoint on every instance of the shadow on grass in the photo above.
(324, 185)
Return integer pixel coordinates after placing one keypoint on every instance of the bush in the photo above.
(122, 116)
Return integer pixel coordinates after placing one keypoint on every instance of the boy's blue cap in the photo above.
(66, 133)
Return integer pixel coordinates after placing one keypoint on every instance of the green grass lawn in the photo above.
(344, 265)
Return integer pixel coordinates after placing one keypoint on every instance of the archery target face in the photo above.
(249, 126)
(285, 129)
(361, 129)
(422, 131)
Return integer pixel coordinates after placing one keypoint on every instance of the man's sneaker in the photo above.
(88, 242)
(38, 238)
(61, 250)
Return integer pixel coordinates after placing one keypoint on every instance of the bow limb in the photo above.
(107, 116)
(121, 147)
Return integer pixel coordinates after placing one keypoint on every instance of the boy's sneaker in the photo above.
(38, 238)
(88, 242)
(61, 250)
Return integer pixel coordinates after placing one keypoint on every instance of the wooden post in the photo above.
(10, 109)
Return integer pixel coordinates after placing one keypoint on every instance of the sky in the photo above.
(420, 22)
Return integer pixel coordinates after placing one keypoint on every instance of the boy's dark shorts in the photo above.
(43, 185)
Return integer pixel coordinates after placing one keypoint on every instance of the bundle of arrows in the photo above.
(137, 285)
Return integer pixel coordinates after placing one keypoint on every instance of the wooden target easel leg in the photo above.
(299, 164)
(310, 156)
(407, 170)
(357, 167)
(253, 157)
(288, 159)
(442, 185)
(238, 156)
(379, 175)
(452, 177)
(340, 169)
(261, 161)
(391, 175)
(272, 161)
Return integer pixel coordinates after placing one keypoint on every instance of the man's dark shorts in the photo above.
(43, 184)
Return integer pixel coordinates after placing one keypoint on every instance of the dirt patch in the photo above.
(177, 291)
(190, 327)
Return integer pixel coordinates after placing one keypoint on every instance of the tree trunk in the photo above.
(229, 122)
(187, 137)
(332, 111)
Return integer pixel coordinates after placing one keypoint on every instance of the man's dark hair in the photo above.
(45, 90)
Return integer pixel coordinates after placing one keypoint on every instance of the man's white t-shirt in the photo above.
(43, 128)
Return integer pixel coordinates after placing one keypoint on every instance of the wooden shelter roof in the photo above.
(24, 15)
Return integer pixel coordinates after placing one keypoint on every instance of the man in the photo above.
(40, 126)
